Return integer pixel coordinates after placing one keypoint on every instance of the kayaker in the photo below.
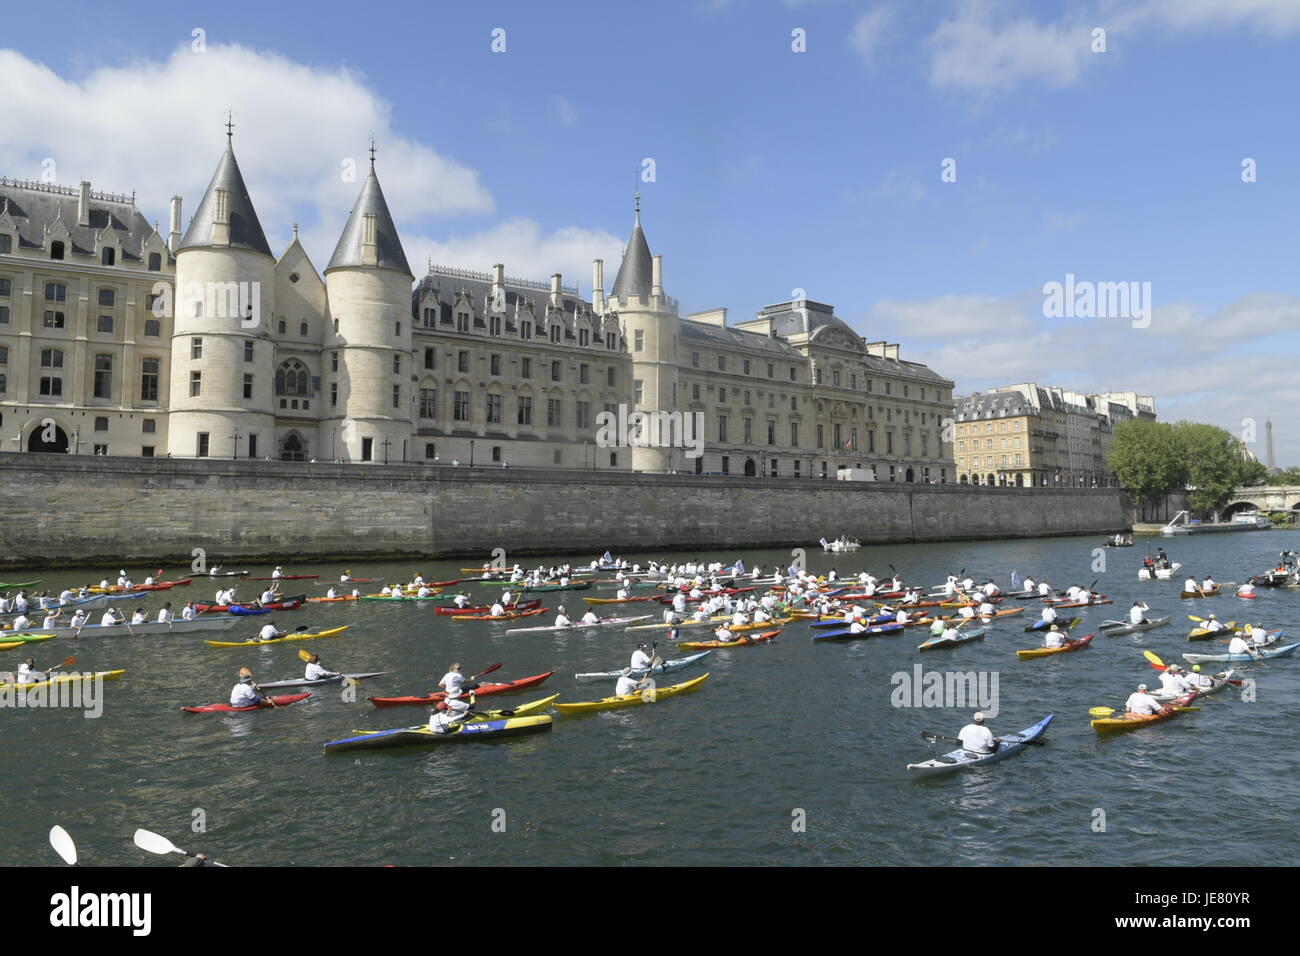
(1199, 681)
(269, 632)
(52, 620)
(1208, 584)
(66, 596)
(187, 612)
(562, 619)
(417, 580)
(1137, 614)
(641, 661)
(22, 622)
(1049, 615)
(331, 593)
(1190, 585)
(268, 596)
(627, 684)
(277, 573)
(590, 617)
(79, 618)
(987, 609)
(902, 617)
(460, 600)
(27, 672)
(139, 616)
(1054, 637)
(1029, 585)
(1246, 590)
(424, 592)
(1239, 645)
(496, 610)
(453, 681)
(315, 671)
(1044, 589)
(1142, 704)
(345, 577)
(1172, 681)
(1214, 625)
(1260, 637)
(937, 627)
(977, 738)
(245, 694)
(111, 617)
(723, 633)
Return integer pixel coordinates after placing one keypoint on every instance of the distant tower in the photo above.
(221, 333)
(1270, 462)
(650, 325)
(369, 288)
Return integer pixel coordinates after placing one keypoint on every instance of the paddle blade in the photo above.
(1193, 617)
(1153, 660)
(1101, 711)
(63, 845)
(489, 669)
(154, 843)
(303, 655)
(928, 737)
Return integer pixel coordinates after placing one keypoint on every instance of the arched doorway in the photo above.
(48, 438)
(990, 479)
(293, 448)
(963, 479)
(750, 468)
(911, 475)
(1020, 481)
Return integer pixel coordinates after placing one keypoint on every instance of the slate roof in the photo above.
(34, 206)
(389, 245)
(245, 229)
(634, 273)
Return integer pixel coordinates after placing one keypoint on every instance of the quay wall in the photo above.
(70, 510)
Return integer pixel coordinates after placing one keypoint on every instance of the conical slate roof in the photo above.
(388, 245)
(245, 230)
(634, 274)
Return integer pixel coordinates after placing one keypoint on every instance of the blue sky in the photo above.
(775, 169)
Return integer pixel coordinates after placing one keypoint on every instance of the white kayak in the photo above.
(579, 626)
(1112, 628)
(1164, 574)
(666, 667)
(303, 682)
(94, 602)
(1008, 746)
(206, 622)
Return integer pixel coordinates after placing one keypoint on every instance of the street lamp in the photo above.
(385, 443)
(235, 437)
(471, 453)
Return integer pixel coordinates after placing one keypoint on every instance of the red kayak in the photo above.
(287, 577)
(162, 585)
(288, 604)
(483, 690)
(283, 700)
(484, 608)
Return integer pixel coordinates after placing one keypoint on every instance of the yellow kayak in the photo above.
(631, 700)
(332, 632)
(10, 645)
(64, 679)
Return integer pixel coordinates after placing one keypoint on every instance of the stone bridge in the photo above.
(1264, 498)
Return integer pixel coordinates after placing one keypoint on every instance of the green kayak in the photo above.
(19, 584)
(6, 638)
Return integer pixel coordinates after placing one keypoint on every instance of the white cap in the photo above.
(979, 717)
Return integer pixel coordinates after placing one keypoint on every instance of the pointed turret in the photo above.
(225, 216)
(634, 274)
(370, 238)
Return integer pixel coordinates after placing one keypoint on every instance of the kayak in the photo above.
(435, 596)
(935, 643)
(287, 604)
(838, 623)
(667, 667)
(326, 584)
(1008, 746)
(491, 729)
(631, 700)
(304, 636)
(483, 690)
(10, 645)
(579, 626)
(1069, 604)
(1204, 634)
(852, 635)
(1121, 723)
(138, 588)
(283, 700)
(303, 682)
(571, 586)
(1200, 594)
(1220, 682)
(519, 710)
(20, 584)
(287, 577)
(1285, 650)
(17, 639)
(65, 679)
(484, 608)
(1115, 628)
(626, 600)
(499, 617)
(739, 642)
(1078, 645)
(329, 600)
(1064, 625)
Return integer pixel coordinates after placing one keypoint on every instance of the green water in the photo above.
(781, 734)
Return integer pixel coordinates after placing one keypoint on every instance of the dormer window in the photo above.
(155, 262)
(56, 250)
(108, 256)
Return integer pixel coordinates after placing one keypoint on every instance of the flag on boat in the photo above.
(792, 570)
(825, 544)
(607, 558)
(738, 567)
(1015, 580)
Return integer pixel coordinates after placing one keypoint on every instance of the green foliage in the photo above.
(1214, 464)
(1291, 476)
(1147, 458)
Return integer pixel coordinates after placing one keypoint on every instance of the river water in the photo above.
(791, 753)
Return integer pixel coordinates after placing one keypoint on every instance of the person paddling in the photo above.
(1142, 704)
(1239, 645)
(1054, 637)
(269, 632)
(1137, 613)
(315, 671)
(628, 685)
(245, 693)
(27, 672)
(641, 661)
(977, 738)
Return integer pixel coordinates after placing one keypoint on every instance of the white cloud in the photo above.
(869, 33)
(526, 249)
(971, 51)
(1263, 16)
(565, 112)
(894, 185)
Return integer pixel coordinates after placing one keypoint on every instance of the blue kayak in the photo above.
(847, 634)
(248, 611)
(1063, 623)
(1008, 746)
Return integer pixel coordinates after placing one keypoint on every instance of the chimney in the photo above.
(555, 289)
(220, 218)
(174, 232)
(83, 204)
(369, 239)
(598, 284)
(498, 303)
(657, 276)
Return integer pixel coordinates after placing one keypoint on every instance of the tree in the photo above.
(1290, 476)
(1215, 465)
(1148, 459)
(1252, 473)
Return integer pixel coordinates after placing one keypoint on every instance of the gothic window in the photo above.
(292, 378)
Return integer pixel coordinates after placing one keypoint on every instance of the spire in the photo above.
(245, 230)
(633, 277)
(388, 246)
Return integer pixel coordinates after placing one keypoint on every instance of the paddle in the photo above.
(154, 843)
(1107, 711)
(63, 845)
(930, 738)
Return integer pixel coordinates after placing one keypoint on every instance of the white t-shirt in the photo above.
(451, 682)
(625, 687)
(1136, 614)
(590, 618)
(977, 738)
(243, 695)
(1238, 645)
(316, 672)
(640, 660)
(1141, 702)
(1054, 639)
(267, 632)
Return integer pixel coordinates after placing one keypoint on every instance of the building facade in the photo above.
(114, 340)
(1032, 435)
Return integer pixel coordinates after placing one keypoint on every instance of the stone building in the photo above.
(1036, 435)
(266, 357)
